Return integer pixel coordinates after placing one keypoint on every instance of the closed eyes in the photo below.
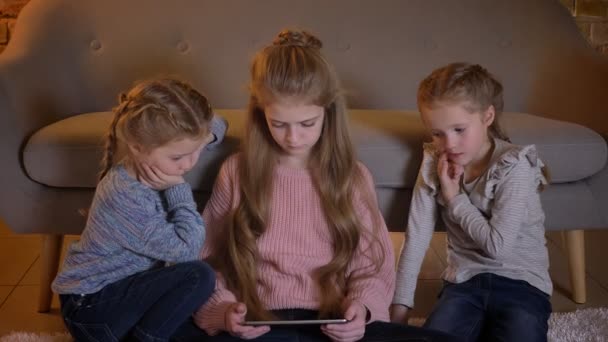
(283, 125)
(458, 130)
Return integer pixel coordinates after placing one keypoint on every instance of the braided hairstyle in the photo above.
(297, 38)
(470, 84)
(154, 113)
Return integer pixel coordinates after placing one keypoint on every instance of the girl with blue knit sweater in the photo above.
(115, 282)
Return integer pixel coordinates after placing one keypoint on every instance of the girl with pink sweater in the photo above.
(293, 227)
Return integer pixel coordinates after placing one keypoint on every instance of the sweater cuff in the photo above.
(218, 127)
(179, 194)
(405, 288)
(375, 313)
(212, 317)
(401, 299)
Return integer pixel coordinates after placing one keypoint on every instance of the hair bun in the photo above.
(478, 69)
(297, 38)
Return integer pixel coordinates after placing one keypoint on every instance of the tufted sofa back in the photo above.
(69, 57)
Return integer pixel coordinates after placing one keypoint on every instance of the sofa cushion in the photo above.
(67, 153)
(571, 151)
(390, 144)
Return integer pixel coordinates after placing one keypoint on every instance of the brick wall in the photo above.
(591, 16)
(9, 9)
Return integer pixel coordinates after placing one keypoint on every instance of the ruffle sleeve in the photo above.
(428, 170)
(507, 161)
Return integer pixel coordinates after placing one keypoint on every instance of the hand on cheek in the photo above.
(155, 178)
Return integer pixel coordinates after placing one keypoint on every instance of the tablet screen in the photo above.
(298, 322)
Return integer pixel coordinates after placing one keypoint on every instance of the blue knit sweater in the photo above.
(132, 228)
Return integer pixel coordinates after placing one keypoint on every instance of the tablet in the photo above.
(298, 322)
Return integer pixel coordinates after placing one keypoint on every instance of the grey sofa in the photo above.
(68, 60)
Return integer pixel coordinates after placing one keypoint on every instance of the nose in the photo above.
(188, 163)
(290, 134)
(449, 142)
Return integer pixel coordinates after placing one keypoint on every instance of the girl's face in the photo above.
(174, 158)
(458, 132)
(296, 128)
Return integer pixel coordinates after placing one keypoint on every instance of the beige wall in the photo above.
(591, 17)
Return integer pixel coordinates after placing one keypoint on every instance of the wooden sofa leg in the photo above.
(49, 257)
(575, 240)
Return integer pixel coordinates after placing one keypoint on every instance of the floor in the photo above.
(20, 269)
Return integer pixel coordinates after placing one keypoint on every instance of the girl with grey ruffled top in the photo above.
(485, 190)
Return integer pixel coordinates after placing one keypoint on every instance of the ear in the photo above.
(488, 116)
(135, 149)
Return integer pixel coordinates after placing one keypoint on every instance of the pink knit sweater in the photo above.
(296, 242)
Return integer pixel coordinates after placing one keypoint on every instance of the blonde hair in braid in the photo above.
(154, 113)
(471, 84)
(111, 143)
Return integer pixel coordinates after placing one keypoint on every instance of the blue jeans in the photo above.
(375, 331)
(147, 306)
(489, 307)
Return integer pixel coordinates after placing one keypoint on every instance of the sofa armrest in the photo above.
(598, 185)
(18, 191)
(25, 106)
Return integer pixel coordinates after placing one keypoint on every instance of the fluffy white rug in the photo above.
(31, 337)
(588, 325)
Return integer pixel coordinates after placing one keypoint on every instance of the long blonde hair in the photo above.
(154, 113)
(293, 67)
